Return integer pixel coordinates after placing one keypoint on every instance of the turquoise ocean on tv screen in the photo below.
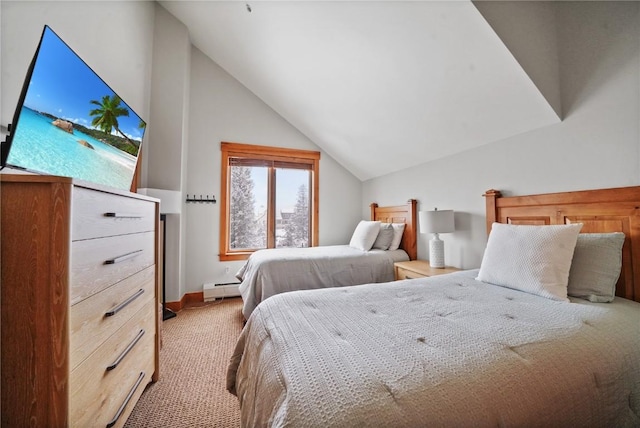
(42, 147)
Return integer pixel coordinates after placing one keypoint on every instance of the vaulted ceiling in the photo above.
(378, 85)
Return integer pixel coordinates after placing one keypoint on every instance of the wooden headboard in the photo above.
(400, 214)
(600, 211)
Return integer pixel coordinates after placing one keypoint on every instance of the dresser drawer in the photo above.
(99, 263)
(97, 214)
(96, 393)
(402, 273)
(96, 318)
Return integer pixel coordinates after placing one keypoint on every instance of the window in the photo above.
(269, 198)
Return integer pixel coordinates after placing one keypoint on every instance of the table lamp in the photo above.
(436, 222)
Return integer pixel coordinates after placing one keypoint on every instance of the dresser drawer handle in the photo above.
(122, 258)
(123, 215)
(126, 351)
(410, 277)
(121, 306)
(126, 401)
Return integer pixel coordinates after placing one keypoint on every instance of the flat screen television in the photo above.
(69, 122)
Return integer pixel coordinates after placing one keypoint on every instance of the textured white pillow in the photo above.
(398, 230)
(365, 235)
(596, 265)
(385, 236)
(533, 259)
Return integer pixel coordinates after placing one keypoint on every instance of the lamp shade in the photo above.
(436, 221)
(170, 200)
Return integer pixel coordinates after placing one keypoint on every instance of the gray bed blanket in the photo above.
(273, 271)
(444, 351)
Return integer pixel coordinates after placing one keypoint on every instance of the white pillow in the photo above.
(398, 230)
(533, 259)
(596, 266)
(365, 235)
(385, 236)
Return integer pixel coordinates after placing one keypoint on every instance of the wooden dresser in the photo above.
(79, 301)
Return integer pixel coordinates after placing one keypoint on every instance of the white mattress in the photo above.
(273, 271)
(440, 351)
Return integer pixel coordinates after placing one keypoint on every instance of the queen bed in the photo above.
(273, 271)
(457, 349)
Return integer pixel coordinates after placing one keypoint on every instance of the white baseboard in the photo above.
(213, 292)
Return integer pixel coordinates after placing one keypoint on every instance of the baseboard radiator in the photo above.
(219, 291)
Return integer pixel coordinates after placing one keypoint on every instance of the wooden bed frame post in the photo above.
(492, 213)
(413, 207)
(373, 210)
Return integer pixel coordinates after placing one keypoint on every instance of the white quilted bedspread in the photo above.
(443, 351)
(269, 272)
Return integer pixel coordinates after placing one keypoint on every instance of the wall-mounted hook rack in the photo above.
(206, 199)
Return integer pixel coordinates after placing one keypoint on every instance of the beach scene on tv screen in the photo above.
(73, 124)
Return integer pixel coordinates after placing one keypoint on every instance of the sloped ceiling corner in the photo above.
(528, 30)
(379, 86)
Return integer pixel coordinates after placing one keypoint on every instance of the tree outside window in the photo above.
(270, 199)
(296, 230)
(247, 227)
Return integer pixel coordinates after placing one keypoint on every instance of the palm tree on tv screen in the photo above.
(107, 114)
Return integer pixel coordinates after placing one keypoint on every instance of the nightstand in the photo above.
(419, 269)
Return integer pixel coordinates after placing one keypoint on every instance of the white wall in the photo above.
(123, 60)
(222, 109)
(185, 155)
(166, 159)
(597, 145)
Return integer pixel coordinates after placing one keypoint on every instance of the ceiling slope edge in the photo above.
(528, 30)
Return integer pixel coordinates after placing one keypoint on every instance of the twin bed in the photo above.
(453, 350)
(273, 271)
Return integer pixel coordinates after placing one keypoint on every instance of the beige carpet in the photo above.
(197, 345)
